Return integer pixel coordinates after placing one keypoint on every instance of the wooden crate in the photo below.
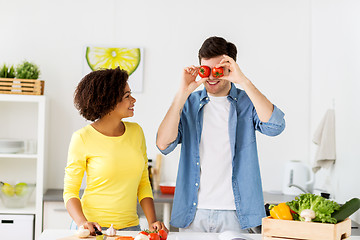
(21, 86)
(287, 229)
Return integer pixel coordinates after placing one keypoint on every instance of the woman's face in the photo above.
(125, 108)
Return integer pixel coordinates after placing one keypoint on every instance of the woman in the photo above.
(113, 154)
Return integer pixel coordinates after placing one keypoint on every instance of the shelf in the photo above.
(17, 155)
(29, 209)
(21, 98)
(25, 118)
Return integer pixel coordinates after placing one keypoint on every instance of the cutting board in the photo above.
(74, 237)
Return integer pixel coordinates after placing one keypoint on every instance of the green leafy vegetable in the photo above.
(27, 70)
(6, 72)
(322, 207)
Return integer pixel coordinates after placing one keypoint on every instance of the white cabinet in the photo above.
(56, 216)
(23, 117)
(11, 224)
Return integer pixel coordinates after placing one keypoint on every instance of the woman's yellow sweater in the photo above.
(116, 171)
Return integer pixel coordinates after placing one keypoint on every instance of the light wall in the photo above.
(278, 49)
(336, 84)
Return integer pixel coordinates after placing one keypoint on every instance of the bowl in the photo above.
(11, 145)
(16, 195)
(167, 188)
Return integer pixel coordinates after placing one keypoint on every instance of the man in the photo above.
(218, 185)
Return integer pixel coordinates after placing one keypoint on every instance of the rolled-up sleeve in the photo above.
(76, 166)
(173, 145)
(274, 126)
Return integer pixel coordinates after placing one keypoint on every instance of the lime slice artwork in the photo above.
(130, 59)
(110, 57)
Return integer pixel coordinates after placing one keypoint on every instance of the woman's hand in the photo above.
(232, 71)
(92, 226)
(157, 226)
(189, 83)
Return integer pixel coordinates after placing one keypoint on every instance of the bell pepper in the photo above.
(281, 211)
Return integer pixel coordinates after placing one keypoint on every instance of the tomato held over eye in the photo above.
(204, 71)
(218, 72)
(154, 236)
(163, 234)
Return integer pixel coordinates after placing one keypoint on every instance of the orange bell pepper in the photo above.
(281, 211)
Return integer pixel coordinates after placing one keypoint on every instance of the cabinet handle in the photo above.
(60, 210)
(7, 221)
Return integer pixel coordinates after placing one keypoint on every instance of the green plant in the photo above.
(27, 70)
(6, 72)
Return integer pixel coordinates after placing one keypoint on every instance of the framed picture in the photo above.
(129, 59)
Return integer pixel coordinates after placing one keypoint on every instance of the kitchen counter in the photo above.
(59, 234)
(56, 195)
(167, 199)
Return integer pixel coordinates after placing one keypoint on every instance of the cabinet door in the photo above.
(56, 216)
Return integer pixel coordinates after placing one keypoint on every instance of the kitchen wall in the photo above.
(300, 54)
(335, 76)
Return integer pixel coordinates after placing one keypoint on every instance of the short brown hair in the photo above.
(98, 93)
(217, 46)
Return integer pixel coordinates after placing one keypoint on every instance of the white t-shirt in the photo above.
(215, 190)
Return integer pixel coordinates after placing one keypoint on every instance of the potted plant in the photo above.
(6, 72)
(27, 70)
(25, 81)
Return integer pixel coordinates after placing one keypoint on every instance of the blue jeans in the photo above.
(73, 226)
(209, 220)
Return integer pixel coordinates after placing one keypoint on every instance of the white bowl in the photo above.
(11, 145)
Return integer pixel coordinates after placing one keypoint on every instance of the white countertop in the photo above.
(58, 234)
(50, 234)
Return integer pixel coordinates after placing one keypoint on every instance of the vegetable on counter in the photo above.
(281, 211)
(151, 235)
(346, 210)
(323, 208)
(308, 215)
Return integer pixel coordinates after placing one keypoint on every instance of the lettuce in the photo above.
(322, 207)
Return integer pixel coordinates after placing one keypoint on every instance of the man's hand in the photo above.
(189, 83)
(232, 71)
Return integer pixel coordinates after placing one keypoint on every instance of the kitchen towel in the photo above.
(324, 137)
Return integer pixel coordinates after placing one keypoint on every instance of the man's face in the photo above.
(216, 87)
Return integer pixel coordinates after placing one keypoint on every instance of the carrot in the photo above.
(124, 238)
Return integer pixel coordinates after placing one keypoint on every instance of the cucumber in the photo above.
(346, 210)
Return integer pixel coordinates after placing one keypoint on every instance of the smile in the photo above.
(212, 82)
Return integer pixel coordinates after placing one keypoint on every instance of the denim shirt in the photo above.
(246, 179)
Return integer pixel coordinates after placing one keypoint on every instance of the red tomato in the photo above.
(144, 233)
(163, 234)
(218, 72)
(154, 236)
(204, 71)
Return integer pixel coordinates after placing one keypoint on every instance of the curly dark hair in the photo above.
(98, 93)
(217, 46)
